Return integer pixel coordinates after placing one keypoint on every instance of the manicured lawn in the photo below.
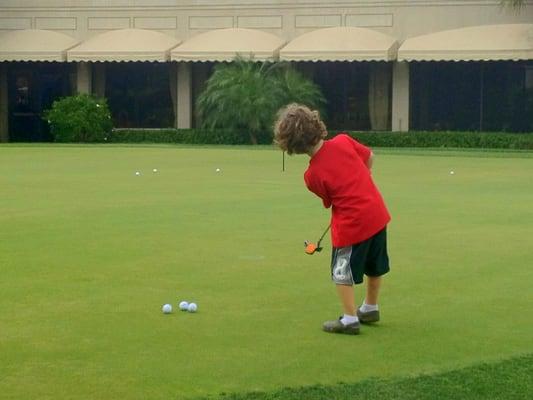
(504, 380)
(89, 252)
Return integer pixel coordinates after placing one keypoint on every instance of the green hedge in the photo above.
(487, 140)
(482, 140)
(185, 136)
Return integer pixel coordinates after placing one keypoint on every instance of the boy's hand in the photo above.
(370, 161)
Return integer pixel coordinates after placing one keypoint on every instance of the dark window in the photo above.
(139, 95)
(475, 96)
(345, 87)
(33, 87)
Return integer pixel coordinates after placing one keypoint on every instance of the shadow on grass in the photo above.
(510, 380)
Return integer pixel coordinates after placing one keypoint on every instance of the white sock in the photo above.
(349, 319)
(368, 307)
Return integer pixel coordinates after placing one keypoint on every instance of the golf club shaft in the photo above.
(324, 234)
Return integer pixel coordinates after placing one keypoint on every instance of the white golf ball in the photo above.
(218, 170)
(167, 309)
(184, 306)
(154, 170)
(451, 172)
(192, 307)
(137, 173)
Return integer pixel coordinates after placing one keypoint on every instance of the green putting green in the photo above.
(89, 252)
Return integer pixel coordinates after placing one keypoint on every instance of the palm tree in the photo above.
(245, 95)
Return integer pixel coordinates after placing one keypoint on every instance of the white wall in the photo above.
(287, 19)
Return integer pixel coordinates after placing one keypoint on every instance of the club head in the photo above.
(311, 248)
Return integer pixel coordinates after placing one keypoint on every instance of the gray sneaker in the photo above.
(338, 327)
(368, 317)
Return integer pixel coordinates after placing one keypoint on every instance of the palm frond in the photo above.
(247, 94)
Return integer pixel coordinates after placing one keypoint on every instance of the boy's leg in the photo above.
(377, 265)
(349, 323)
(346, 296)
(369, 311)
(373, 285)
(342, 277)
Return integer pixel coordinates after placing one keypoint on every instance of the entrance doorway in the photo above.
(32, 88)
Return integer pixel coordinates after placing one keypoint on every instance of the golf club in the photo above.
(311, 248)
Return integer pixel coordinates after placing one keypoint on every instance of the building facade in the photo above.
(383, 65)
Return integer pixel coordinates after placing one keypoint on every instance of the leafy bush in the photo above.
(80, 118)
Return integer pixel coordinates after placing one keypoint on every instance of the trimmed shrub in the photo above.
(185, 136)
(483, 140)
(80, 118)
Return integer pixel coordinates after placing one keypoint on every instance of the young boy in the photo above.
(339, 173)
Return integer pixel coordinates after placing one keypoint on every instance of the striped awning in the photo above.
(35, 45)
(226, 44)
(125, 45)
(475, 43)
(341, 44)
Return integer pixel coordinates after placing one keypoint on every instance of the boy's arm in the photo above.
(362, 151)
(326, 202)
(318, 190)
(370, 160)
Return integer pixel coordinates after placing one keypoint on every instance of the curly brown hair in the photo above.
(298, 129)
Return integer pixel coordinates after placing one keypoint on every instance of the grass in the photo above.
(89, 252)
(505, 380)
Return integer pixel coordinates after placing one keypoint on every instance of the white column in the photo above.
(84, 79)
(4, 120)
(184, 89)
(400, 97)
